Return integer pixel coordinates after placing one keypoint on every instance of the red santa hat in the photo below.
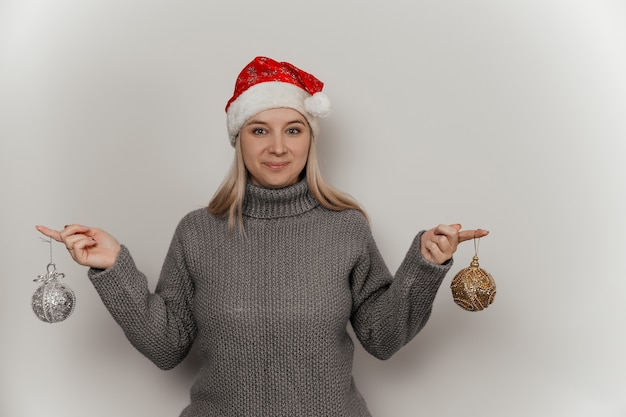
(267, 84)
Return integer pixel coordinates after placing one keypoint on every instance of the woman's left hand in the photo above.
(439, 243)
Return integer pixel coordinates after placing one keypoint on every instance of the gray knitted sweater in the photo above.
(269, 312)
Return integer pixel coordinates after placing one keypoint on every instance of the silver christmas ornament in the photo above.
(53, 301)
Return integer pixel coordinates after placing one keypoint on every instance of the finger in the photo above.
(472, 234)
(73, 240)
(432, 251)
(52, 234)
(72, 229)
(444, 243)
(79, 251)
(449, 233)
(84, 243)
(447, 230)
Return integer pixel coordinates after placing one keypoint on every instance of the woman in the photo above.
(266, 279)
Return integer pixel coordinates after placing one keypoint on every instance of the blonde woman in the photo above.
(266, 279)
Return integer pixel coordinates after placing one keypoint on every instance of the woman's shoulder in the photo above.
(197, 219)
(351, 219)
(196, 214)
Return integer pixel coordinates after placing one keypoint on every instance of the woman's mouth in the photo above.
(275, 165)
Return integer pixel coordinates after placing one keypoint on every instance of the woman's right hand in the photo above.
(88, 246)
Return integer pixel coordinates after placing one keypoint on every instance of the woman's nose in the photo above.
(277, 146)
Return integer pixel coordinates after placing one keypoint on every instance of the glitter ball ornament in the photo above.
(53, 301)
(473, 288)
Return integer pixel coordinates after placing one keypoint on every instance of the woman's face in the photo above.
(275, 146)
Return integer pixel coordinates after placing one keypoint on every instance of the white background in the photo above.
(505, 115)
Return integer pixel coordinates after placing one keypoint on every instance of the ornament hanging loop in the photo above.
(476, 244)
(49, 241)
(50, 269)
(474, 262)
(51, 274)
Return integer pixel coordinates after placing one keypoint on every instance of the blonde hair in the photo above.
(228, 199)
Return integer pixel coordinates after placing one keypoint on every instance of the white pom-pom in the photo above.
(318, 105)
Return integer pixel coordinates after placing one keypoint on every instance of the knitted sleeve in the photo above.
(160, 324)
(389, 311)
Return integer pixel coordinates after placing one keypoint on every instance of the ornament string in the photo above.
(51, 273)
(476, 245)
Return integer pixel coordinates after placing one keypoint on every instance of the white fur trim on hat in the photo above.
(273, 95)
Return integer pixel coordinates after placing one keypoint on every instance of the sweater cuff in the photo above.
(123, 261)
(120, 285)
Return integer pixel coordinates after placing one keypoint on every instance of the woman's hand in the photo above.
(88, 246)
(439, 243)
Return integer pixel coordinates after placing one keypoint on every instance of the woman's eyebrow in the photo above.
(256, 122)
(261, 122)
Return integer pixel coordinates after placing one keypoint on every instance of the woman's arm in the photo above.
(160, 324)
(388, 311)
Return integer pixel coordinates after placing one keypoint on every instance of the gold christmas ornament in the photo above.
(473, 288)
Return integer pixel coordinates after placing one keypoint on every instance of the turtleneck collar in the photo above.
(269, 203)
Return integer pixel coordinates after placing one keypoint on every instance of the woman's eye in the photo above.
(293, 131)
(258, 131)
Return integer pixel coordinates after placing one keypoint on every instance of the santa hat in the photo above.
(267, 84)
